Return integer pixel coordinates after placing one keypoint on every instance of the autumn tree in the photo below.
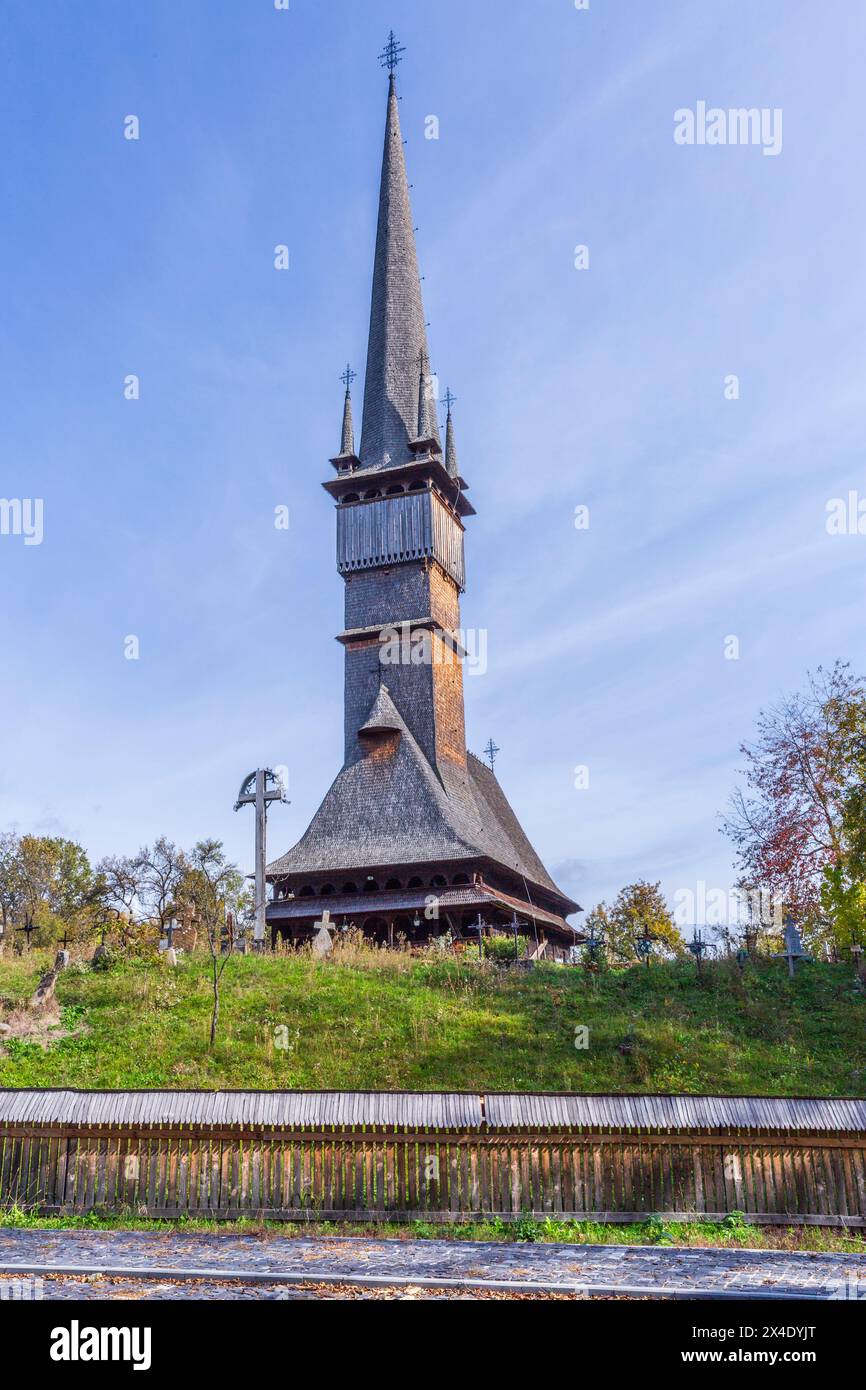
(799, 824)
(58, 888)
(120, 882)
(160, 871)
(11, 884)
(641, 908)
(598, 918)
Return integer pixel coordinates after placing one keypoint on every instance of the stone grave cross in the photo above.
(322, 941)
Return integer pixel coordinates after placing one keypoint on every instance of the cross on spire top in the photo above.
(391, 55)
(490, 753)
(348, 376)
(449, 400)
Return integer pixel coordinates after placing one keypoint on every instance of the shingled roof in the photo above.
(396, 809)
(397, 343)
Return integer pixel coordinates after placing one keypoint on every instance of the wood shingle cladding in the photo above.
(442, 1110)
(397, 343)
(409, 795)
(398, 812)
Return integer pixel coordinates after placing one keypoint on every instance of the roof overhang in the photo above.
(452, 899)
(452, 489)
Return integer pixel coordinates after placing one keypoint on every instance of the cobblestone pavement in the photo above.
(217, 1256)
(55, 1288)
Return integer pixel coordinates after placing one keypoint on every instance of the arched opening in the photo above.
(350, 497)
(417, 487)
(415, 883)
(371, 494)
(460, 878)
(396, 490)
(376, 928)
(370, 885)
(438, 881)
(349, 888)
(327, 891)
(393, 883)
(307, 891)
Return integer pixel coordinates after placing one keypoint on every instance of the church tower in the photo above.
(415, 836)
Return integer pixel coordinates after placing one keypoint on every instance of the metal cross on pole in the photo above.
(391, 55)
(348, 376)
(517, 925)
(594, 943)
(257, 790)
(490, 753)
(28, 931)
(479, 926)
(644, 945)
(698, 947)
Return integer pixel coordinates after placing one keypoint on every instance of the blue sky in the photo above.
(601, 387)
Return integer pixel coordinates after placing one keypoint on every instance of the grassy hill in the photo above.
(377, 1020)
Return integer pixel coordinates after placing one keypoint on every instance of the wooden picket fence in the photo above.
(353, 1174)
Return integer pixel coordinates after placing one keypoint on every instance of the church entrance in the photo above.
(376, 929)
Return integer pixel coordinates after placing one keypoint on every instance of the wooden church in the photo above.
(415, 837)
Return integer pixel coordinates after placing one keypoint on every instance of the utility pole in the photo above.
(257, 790)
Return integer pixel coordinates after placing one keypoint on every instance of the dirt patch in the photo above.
(40, 1026)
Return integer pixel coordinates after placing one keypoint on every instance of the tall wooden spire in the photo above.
(450, 445)
(398, 336)
(347, 440)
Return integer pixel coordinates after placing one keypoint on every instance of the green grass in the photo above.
(386, 1021)
(731, 1234)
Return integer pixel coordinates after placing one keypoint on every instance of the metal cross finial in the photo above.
(391, 56)
(348, 376)
(423, 359)
(449, 399)
(490, 752)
